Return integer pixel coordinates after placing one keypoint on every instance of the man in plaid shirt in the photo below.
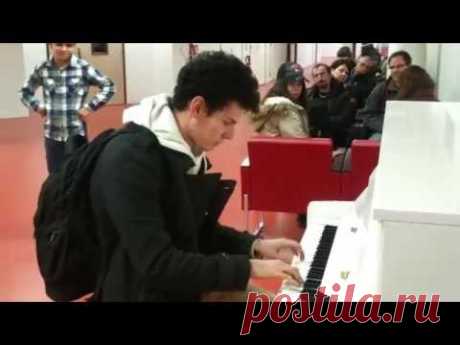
(65, 80)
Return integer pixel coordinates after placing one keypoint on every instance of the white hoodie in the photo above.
(155, 114)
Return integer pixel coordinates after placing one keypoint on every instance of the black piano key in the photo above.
(316, 272)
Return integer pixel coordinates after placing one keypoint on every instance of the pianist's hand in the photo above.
(280, 248)
(275, 269)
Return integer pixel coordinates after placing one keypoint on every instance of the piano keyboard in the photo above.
(319, 263)
(317, 248)
(331, 247)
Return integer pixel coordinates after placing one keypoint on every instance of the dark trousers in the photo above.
(55, 153)
(57, 150)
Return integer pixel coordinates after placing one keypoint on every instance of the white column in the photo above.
(34, 54)
(278, 54)
(306, 54)
(258, 61)
(12, 70)
(150, 69)
(433, 60)
(449, 72)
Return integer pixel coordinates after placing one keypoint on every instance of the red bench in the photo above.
(285, 174)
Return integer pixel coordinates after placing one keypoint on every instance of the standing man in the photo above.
(65, 79)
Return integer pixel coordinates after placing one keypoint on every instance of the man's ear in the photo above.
(198, 107)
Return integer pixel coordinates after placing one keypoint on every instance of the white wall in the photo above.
(449, 72)
(149, 70)
(306, 54)
(328, 51)
(277, 54)
(12, 79)
(202, 47)
(233, 48)
(265, 58)
(34, 54)
(245, 50)
(152, 68)
(180, 58)
(416, 50)
(257, 52)
(433, 51)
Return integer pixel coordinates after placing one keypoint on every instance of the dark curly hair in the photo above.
(219, 78)
(343, 61)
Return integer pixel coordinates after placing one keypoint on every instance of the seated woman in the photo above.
(287, 67)
(416, 85)
(341, 69)
(283, 113)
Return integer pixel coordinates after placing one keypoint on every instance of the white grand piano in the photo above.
(402, 235)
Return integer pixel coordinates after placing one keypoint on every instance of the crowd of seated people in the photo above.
(345, 102)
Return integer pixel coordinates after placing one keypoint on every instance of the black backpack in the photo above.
(65, 230)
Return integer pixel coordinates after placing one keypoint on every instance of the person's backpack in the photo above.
(65, 230)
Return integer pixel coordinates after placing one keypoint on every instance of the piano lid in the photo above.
(418, 176)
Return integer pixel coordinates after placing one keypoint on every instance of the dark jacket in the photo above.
(360, 87)
(331, 115)
(160, 240)
(372, 115)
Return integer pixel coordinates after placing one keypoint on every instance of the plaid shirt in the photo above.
(65, 91)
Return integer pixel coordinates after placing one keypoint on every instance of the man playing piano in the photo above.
(156, 207)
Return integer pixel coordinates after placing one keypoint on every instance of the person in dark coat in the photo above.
(157, 209)
(372, 115)
(362, 81)
(330, 108)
